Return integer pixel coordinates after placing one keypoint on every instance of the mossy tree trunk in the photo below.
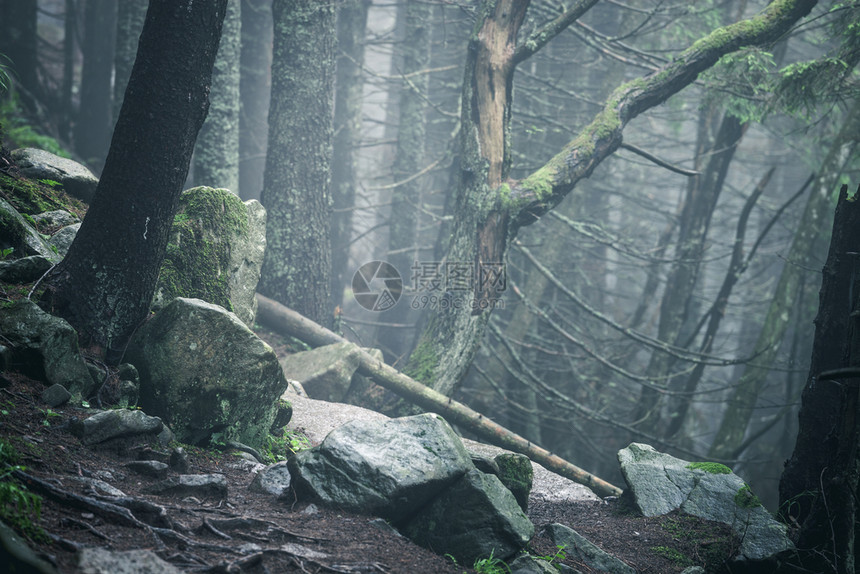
(742, 402)
(254, 89)
(409, 158)
(488, 208)
(351, 28)
(296, 193)
(129, 22)
(105, 284)
(95, 118)
(216, 156)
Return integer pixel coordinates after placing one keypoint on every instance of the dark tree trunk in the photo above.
(254, 89)
(70, 24)
(216, 156)
(351, 27)
(94, 121)
(18, 42)
(105, 284)
(296, 193)
(129, 23)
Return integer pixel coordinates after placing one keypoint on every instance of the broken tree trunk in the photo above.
(285, 320)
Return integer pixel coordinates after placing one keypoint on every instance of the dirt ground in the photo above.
(249, 532)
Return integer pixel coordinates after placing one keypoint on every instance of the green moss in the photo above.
(712, 467)
(422, 363)
(673, 555)
(197, 260)
(746, 499)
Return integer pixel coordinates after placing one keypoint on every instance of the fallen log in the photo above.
(286, 321)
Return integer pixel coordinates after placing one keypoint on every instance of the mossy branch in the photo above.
(546, 187)
(287, 321)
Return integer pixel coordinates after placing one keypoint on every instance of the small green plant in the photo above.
(554, 558)
(50, 183)
(4, 253)
(671, 554)
(278, 448)
(491, 565)
(19, 507)
(47, 415)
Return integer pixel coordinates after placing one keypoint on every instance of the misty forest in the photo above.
(565, 226)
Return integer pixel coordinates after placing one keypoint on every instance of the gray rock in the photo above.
(661, 483)
(274, 480)
(16, 232)
(199, 485)
(57, 218)
(17, 556)
(63, 237)
(528, 564)
(178, 460)
(473, 518)
(516, 473)
(325, 372)
(24, 270)
(127, 372)
(128, 393)
(99, 486)
(579, 548)
(77, 180)
(103, 561)
(56, 395)
(45, 347)
(204, 372)
(215, 252)
(693, 570)
(114, 424)
(484, 464)
(150, 468)
(387, 468)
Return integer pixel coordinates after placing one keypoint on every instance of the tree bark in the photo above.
(18, 41)
(296, 193)
(254, 89)
(289, 322)
(216, 156)
(129, 23)
(489, 210)
(94, 120)
(105, 284)
(351, 29)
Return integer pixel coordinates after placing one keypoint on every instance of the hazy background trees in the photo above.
(667, 299)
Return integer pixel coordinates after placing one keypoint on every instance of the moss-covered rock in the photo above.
(206, 374)
(215, 252)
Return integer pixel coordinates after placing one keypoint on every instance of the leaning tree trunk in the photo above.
(105, 284)
(94, 121)
(351, 29)
(296, 192)
(216, 156)
(489, 209)
(742, 402)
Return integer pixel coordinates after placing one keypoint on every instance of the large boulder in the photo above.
(20, 234)
(44, 347)
(215, 252)
(325, 373)
(660, 483)
(388, 468)
(77, 180)
(476, 517)
(204, 372)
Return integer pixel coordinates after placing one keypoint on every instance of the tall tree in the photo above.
(18, 42)
(489, 208)
(129, 22)
(351, 28)
(94, 119)
(409, 157)
(105, 284)
(216, 156)
(296, 193)
(254, 90)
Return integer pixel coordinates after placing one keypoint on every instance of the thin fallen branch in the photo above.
(285, 320)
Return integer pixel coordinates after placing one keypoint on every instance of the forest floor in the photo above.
(251, 532)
